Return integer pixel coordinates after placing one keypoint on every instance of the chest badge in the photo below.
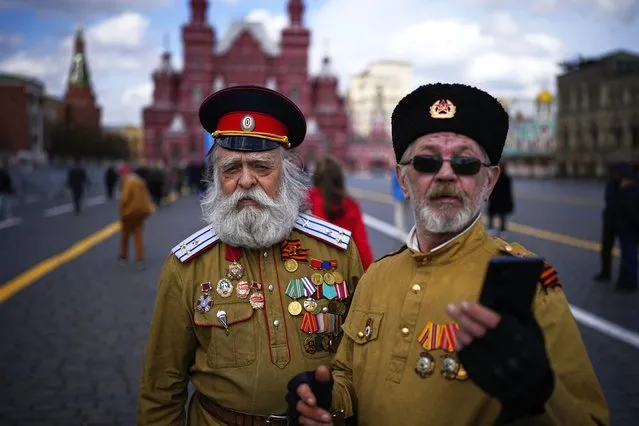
(425, 365)
(243, 289)
(224, 287)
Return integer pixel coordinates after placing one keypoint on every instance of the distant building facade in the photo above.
(244, 55)
(531, 142)
(598, 115)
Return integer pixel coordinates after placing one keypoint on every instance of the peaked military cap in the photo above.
(252, 118)
(456, 108)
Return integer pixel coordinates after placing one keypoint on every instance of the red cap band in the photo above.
(251, 122)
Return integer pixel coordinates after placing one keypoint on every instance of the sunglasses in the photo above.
(466, 166)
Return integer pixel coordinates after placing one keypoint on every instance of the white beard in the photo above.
(448, 218)
(253, 227)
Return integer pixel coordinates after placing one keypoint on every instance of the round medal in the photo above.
(309, 345)
(317, 279)
(204, 303)
(425, 365)
(243, 289)
(257, 300)
(310, 305)
(338, 277)
(450, 367)
(295, 308)
(290, 265)
(327, 342)
(224, 287)
(329, 278)
(234, 271)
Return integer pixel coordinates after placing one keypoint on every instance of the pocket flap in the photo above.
(235, 313)
(363, 326)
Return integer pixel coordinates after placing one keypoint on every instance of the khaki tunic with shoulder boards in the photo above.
(375, 368)
(245, 369)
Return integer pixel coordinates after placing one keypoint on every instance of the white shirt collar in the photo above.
(413, 244)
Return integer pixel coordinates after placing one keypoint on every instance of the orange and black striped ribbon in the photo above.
(292, 249)
(549, 278)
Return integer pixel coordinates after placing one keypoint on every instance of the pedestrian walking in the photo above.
(627, 225)
(77, 183)
(608, 223)
(110, 179)
(6, 193)
(135, 208)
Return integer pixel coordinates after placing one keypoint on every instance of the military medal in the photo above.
(309, 323)
(450, 366)
(224, 287)
(257, 300)
(204, 303)
(329, 278)
(295, 308)
(317, 278)
(338, 277)
(309, 345)
(221, 317)
(425, 365)
(310, 305)
(234, 271)
(319, 343)
(327, 342)
(290, 265)
(243, 289)
(292, 252)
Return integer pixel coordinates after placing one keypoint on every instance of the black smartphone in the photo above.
(510, 284)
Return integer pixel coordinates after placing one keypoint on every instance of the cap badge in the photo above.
(443, 108)
(248, 123)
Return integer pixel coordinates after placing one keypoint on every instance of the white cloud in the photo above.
(616, 10)
(492, 51)
(273, 24)
(120, 64)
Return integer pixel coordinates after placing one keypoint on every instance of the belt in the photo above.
(232, 418)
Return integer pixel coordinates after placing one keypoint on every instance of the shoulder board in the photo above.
(323, 230)
(196, 243)
(548, 278)
(393, 253)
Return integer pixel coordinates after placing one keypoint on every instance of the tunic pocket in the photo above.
(232, 347)
(363, 326)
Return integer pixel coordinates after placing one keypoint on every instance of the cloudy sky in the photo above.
(511, 51)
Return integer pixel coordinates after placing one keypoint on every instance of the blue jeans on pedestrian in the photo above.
(628, 270)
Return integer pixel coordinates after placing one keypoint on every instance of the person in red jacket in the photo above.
(329, 200)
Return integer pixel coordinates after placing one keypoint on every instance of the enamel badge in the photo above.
(443, 108)
(224, 287)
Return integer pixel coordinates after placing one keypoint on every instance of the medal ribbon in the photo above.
(233, 254)
(309, 323)
(309, 287)
(329, 291)
(294, 289)
(292, 249)
(341, 290)
(321, 323)
(430, 337)
(449, 337)
(323, 264)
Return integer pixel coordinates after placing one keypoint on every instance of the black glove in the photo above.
(323, 394)
(510, 363)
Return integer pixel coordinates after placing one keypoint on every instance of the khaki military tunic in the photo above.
(246, 367)
(375, 367)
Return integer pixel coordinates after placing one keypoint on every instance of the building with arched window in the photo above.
(244, 55)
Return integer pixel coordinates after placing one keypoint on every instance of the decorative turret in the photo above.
(295, 12)
(80, 105)
(79, 71)
(198, 11)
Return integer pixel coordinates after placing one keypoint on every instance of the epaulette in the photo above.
(323, 230)
(548, 278)
(196, 243)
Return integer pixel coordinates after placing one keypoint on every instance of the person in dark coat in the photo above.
(501, 202)
(110, 179)
(608, 231)
(77, 181)
(627, 224)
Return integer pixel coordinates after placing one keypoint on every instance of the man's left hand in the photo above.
(505, 357)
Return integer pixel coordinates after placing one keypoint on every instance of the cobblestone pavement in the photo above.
(72, 342)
